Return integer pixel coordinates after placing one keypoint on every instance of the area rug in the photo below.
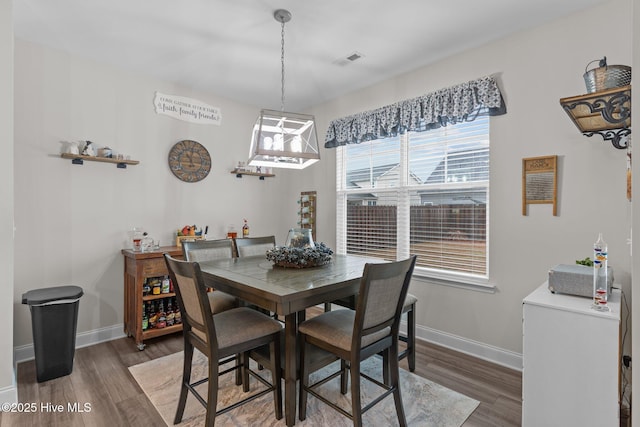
(425, 403)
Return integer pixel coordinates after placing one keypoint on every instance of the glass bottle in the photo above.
(145, 318)
(300, 238)
(162, 316)
(135, 235)
(153, 316)
(146, 289)
(166, 285)
(176, 313)
(146, 243)
(171, 316)
(245, 229)
(600, 275)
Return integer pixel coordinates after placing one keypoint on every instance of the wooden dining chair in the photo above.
(354, 336)
(208, 250)
(250, 246)
(218, 336)
(408, 308)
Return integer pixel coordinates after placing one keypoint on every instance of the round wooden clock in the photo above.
(189, 161)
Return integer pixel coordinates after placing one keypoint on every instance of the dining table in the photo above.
(287, 292)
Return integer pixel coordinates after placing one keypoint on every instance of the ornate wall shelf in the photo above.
(606, 113)
(78, 159)
(262, 176)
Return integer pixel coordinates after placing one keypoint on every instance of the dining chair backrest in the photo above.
(197, 316)
(241, 331)
(383, 289)
(250, 246)
(207, 250)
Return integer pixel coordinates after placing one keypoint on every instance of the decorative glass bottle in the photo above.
(300, 238)
(600, 279)
(245, 229)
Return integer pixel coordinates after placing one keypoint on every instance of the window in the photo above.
(423, 193)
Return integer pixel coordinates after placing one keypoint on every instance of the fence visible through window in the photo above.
(445, 237)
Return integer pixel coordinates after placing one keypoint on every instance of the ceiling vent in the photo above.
(348, 59)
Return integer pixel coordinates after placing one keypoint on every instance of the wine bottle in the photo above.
(245, 229)
(176, 313)
(153, 316)
(145, 318)
(171, 316)
(162, 316)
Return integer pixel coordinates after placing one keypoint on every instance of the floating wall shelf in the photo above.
(78, 159)
(606, 113)
(262, 176)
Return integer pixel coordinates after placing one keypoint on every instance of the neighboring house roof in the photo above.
(358, 177)
(453, 160)
(361, 178)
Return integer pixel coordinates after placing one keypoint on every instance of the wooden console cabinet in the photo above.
(139, 266)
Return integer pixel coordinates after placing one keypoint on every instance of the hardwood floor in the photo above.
(100, 378)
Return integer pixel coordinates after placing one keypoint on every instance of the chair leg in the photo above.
(356, 404)
(385, 366)
(304, 378)
(274, 350)
(344, 376)
(186, 379)
(212, 393)
(240, 369)
(411, 338)
(245, 371)
(394, 367)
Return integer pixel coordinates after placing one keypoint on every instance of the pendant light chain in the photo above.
(279, 139)
(282, 76)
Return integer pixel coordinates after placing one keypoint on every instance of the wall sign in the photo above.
(187, 109)
(539, 182)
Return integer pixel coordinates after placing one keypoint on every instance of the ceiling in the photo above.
(231, 48)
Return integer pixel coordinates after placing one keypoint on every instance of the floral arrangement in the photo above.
(293, 257)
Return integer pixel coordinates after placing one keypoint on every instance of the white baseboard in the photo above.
(83, 339)
(477, 349)
(9, 394)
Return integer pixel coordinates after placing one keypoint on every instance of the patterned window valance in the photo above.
(458, 103)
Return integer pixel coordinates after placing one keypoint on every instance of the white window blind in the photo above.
(423, 193)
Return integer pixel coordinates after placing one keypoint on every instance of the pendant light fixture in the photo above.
(282, 139)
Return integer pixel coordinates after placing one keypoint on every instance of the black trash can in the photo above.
(54, 318)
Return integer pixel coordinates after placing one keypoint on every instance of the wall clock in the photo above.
(189, 161)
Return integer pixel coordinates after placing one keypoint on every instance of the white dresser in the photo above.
(570, 361)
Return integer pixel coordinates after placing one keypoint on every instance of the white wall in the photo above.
(7, 386)
(535, 69)
(72, 220)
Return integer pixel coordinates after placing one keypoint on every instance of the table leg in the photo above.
(290, 363)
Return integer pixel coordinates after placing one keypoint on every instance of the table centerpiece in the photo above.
(300, 251)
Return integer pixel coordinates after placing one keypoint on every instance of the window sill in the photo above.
(472, 285)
